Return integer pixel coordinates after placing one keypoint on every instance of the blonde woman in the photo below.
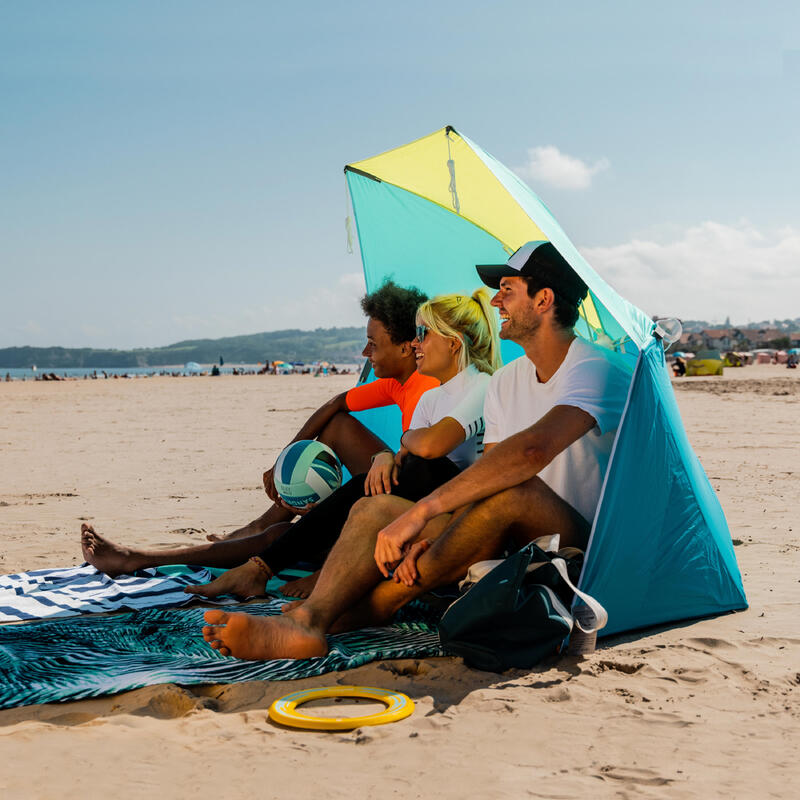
(457, 343)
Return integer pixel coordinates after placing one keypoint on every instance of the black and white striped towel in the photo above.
(66, 592)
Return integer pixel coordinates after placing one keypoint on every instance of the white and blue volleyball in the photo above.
(307, 472)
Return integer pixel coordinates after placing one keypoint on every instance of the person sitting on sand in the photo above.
(551, 418)
(390, 330)
(456, 343)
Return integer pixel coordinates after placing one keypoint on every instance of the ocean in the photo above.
(27, 373)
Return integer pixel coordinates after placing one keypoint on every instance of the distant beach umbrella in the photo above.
(192, 366)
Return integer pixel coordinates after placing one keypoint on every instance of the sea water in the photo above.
(28, 373)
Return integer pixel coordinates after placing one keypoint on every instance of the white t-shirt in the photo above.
(462, 399)
(590, 378)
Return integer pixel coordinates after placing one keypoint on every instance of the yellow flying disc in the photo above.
(284, 710)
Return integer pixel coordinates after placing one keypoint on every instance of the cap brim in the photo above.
(491, 274)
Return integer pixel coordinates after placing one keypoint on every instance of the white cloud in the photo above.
(31, 328)
(710, 271)
(549, 165)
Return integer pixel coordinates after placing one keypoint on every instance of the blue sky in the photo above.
(173, 170)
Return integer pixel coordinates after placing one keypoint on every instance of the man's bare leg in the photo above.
(349, 572)
(352, 441)
(113, 559)
(342, 600)
(517, 516)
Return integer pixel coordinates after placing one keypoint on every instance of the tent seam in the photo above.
(620, 427)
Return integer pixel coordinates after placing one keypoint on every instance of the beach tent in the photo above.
(660, 550)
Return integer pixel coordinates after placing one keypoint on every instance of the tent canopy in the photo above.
(660, 549)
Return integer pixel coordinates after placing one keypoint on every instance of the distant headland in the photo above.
(328, 344)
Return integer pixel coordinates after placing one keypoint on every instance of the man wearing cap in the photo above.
(551, 417)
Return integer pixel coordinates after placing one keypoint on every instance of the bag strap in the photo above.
(598, 616)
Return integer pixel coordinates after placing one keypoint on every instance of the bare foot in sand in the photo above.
(302, 587)
(262, 638)
(106, 556)
(246, 580)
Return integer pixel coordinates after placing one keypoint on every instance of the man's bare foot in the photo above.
(262, 638)
(302, 587)
(246, 580)
(106, 556)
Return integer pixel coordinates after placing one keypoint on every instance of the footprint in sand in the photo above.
(640, 777)
(405, 669)
(170, 702)
(617, 666)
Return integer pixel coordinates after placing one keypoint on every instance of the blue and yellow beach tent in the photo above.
(660, 549)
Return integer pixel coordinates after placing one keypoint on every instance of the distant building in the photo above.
(722, 338)
(765, 337)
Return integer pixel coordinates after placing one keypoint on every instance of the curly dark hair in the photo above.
(395, 307)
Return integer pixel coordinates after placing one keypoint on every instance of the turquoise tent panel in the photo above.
(418, 243)
(660, 548)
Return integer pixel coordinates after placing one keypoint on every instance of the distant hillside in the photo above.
(325, 344)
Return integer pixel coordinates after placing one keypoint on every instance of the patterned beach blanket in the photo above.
(67, 592)
(69, 659)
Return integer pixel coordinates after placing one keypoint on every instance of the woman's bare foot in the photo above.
(262, 638)
(246, 580)
(287, 607)
(302, 587)
(107, 556)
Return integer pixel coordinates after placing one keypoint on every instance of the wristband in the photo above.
(385, 450)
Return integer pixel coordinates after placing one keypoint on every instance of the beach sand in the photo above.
(706, 708)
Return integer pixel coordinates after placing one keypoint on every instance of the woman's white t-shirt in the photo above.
(461, 398)
(590, 378)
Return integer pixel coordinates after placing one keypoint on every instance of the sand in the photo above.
(706, 708)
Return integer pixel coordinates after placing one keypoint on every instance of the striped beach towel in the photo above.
(67, 592)
(55, 660)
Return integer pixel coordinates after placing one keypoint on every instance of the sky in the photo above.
(173, 170)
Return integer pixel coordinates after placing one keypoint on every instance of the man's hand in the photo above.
(400, 455)
(394, 538)
(382, 475)
(269, 485)
(299, 510)
(407, 571)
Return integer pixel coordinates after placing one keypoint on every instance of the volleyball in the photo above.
(307, 472)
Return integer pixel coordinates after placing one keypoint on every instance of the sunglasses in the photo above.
(422, 332)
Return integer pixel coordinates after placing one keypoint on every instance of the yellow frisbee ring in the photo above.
(284, 710)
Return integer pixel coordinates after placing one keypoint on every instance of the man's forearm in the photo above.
(508, 464)
(512, 461)
(321, 417)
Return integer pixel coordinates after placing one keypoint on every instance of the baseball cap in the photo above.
(539, 260)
